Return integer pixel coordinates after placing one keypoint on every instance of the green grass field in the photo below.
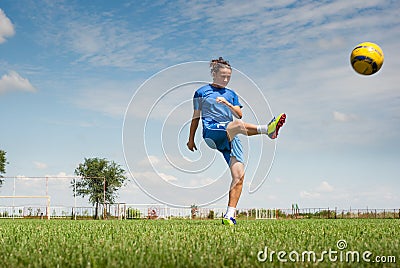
(195, 243)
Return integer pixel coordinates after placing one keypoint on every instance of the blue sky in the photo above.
(69, 71)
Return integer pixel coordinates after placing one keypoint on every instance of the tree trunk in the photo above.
(96, 212)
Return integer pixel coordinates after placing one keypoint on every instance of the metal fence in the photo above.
(161, 211)
(327, 213)
(112, 211)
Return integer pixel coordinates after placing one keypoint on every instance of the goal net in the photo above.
(42, 209)
(23, 196)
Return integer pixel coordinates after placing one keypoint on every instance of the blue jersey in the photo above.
(212, 112)
(215, 118)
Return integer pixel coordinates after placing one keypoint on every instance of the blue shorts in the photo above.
(215, 136)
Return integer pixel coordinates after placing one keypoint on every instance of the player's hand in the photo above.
(191, 145)
(222, 100)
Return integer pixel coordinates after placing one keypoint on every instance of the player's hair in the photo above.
(219, 63)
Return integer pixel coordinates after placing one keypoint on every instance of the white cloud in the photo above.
(60, 174)
(198, 182)
(6, 27)
(40, 165)
(310, 195)
(14, 82)
(317, 192)
(342, 117)
(289, 25)
(109, 98)
(27, 178)
(153, 177)
(148, 161)
(104, 42)
(154, 159)
(167, 177)
(325, 187)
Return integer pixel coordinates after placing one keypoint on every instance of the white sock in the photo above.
(230, 212)
(262, 129)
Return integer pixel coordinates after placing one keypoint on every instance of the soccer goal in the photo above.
(26, 196)
(21, 211)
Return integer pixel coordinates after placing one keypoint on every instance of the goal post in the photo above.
(57, 186)
(47, 197)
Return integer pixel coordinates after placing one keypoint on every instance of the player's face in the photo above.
(222, 77)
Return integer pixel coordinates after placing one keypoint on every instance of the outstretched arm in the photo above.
(193, 127)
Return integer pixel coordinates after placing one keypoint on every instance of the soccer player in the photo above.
(216, 105)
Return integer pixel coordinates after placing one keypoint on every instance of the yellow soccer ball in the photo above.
(366, 58)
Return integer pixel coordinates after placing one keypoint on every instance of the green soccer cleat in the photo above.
(231, 221)
(275, 125)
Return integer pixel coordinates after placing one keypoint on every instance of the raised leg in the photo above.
(240, 127)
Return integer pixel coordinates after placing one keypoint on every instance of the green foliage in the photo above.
(3, 162)
(133, 213)
(194, 209)
(100, 177)
(211, 215)
(188, 243)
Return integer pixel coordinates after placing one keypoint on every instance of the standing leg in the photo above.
(237, 173)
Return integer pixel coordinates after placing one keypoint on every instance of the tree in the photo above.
(3, 163)
(101, 180)
(194, 209)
